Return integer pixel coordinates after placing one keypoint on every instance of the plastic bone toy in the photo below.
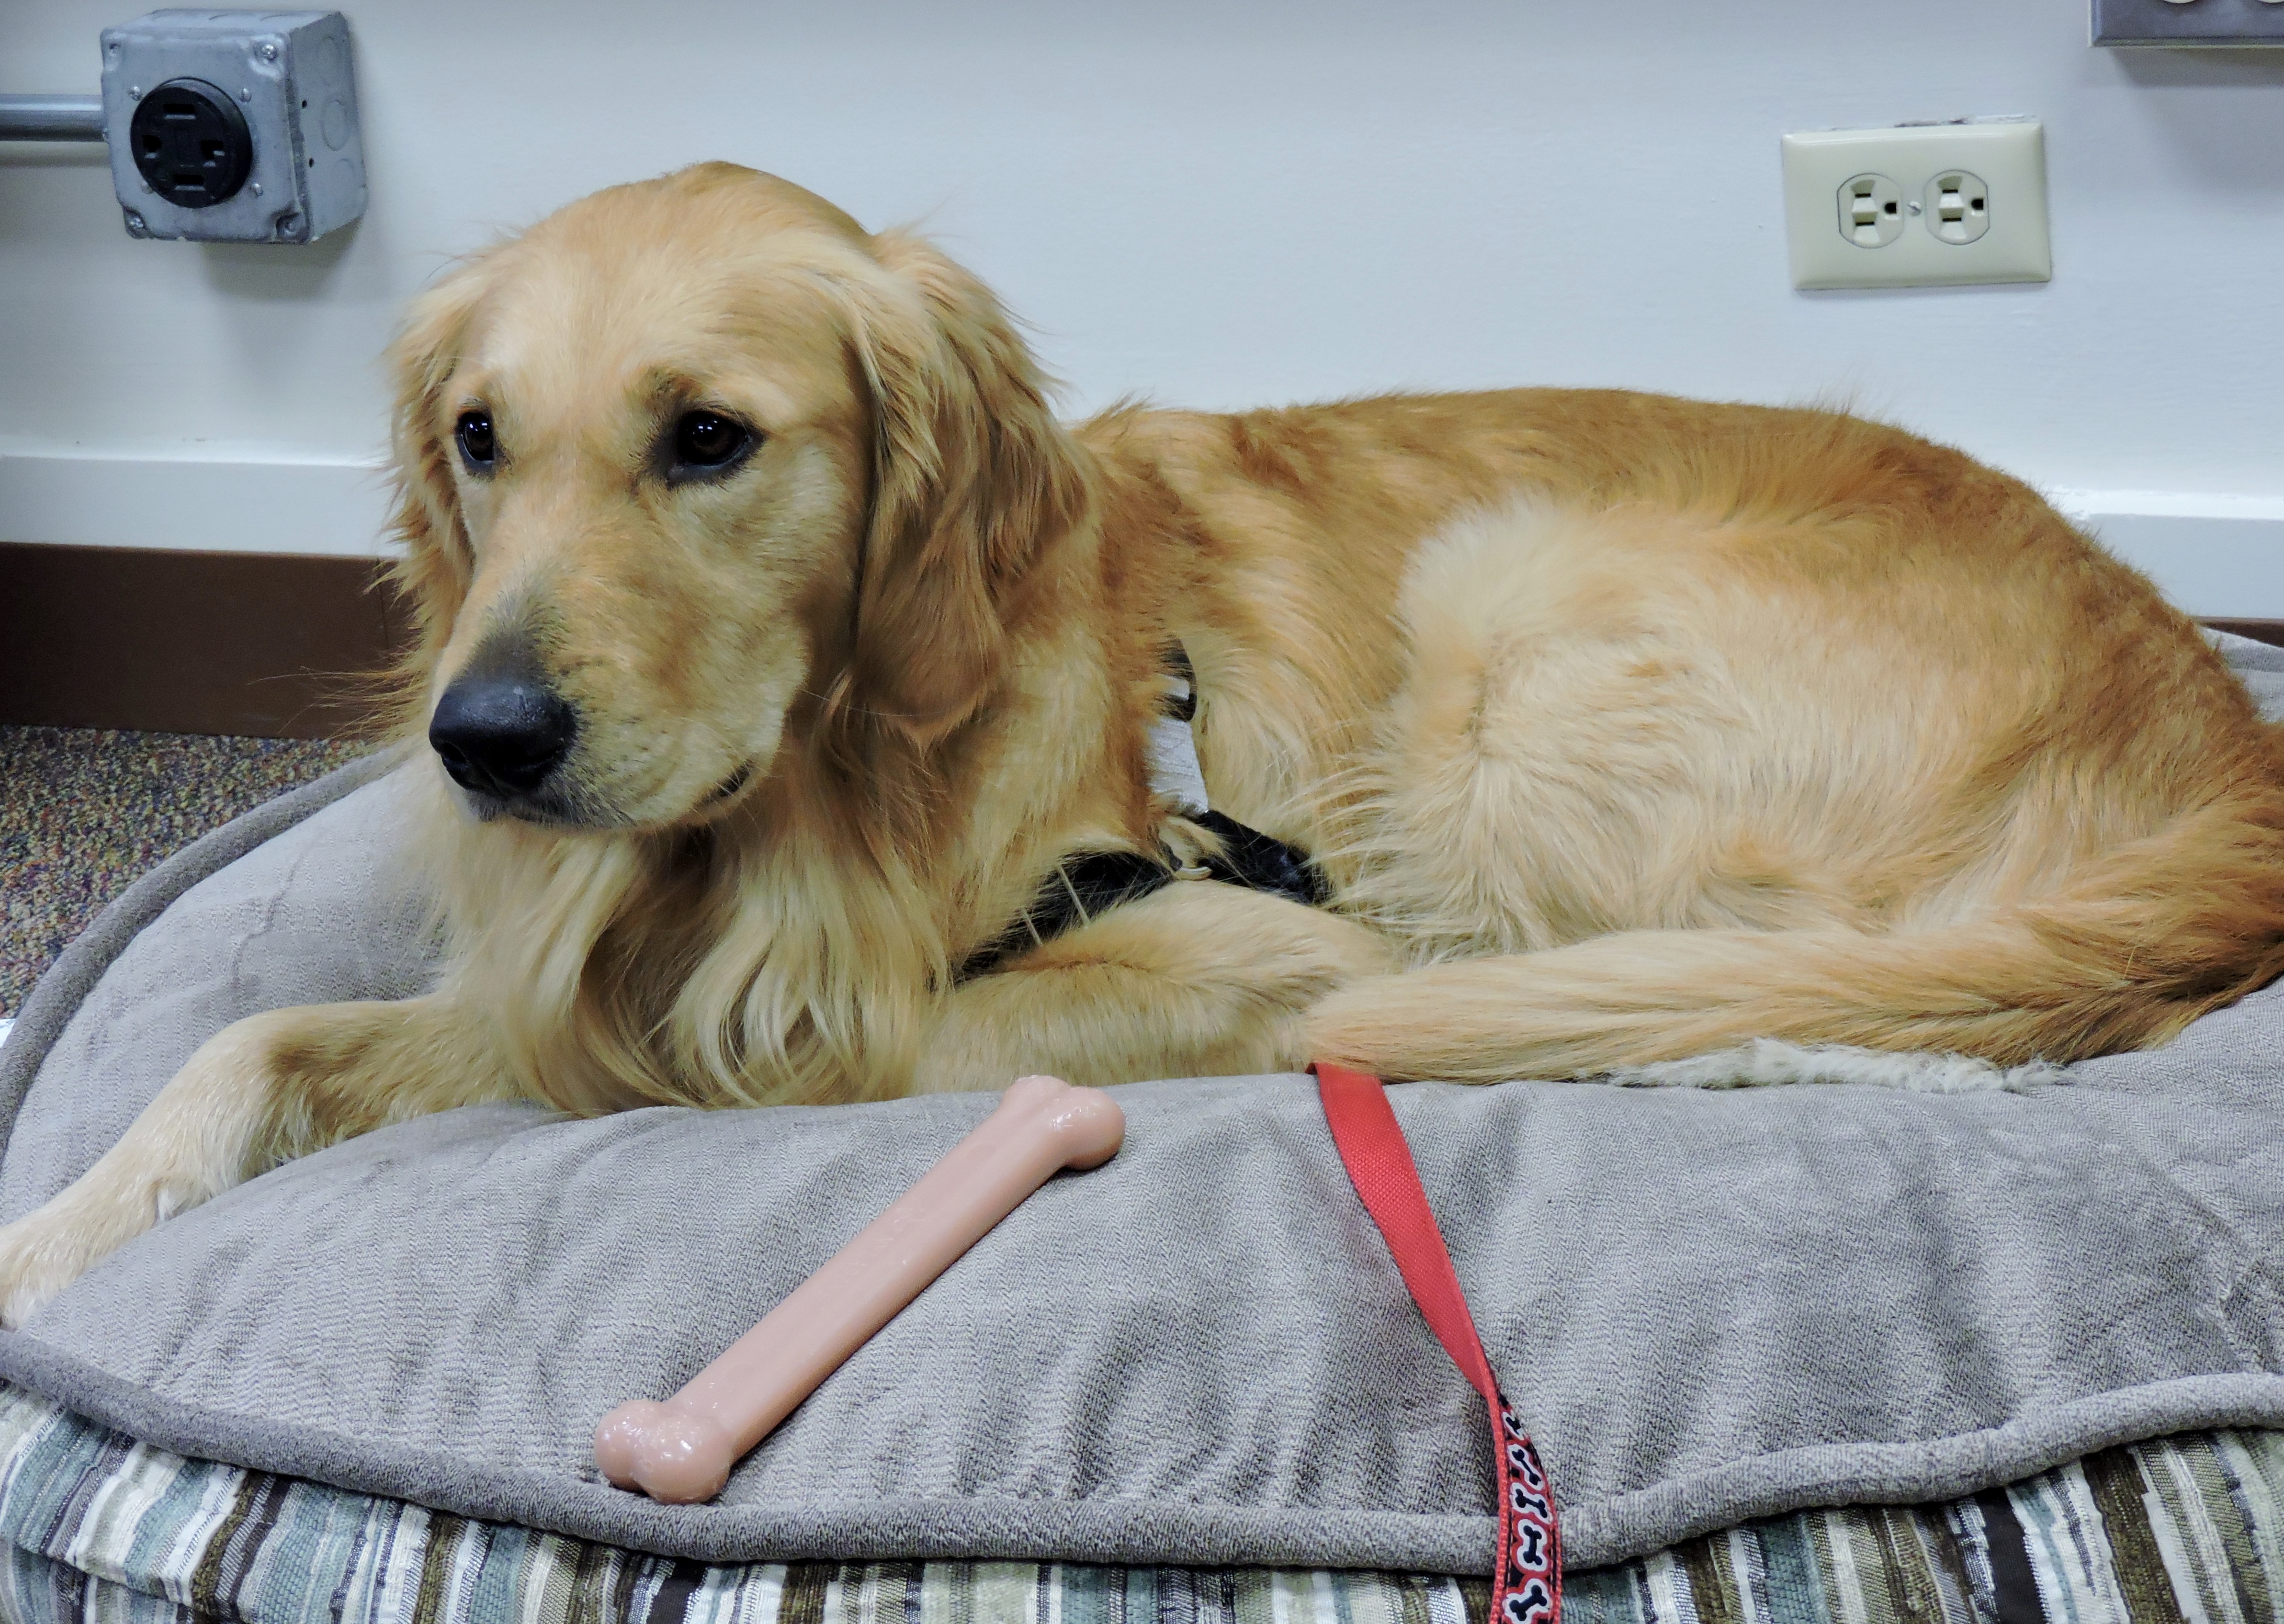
(682, 1450)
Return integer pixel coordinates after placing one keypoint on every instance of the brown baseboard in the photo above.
(266, 644)
(269, 644)
(2259, 630)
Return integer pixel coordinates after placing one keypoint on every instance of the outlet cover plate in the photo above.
(2008, 156)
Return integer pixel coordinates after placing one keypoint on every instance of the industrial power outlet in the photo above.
(1918, 204)
(233, 126)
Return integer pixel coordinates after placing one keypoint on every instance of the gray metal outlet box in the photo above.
(2190, 23)
(290, 76)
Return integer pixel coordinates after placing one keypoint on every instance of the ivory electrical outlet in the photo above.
(1918, 204)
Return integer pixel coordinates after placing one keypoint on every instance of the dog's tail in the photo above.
(2128, 950)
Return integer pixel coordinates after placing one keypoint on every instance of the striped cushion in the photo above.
(96, 1526)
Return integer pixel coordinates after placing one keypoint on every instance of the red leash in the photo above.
(1527, 1587)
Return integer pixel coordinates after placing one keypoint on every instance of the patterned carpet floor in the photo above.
(83, 811)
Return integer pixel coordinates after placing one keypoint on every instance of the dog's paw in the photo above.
(44, 1251)
(188, 1145)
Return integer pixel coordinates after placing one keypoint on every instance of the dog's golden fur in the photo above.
(1626, 728)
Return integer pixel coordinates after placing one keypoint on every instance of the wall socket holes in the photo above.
(1918, 204)
(1870, 211)
(190, 144)
(1958, 208)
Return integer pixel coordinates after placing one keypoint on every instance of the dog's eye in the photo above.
(475, 430)
(708, 440)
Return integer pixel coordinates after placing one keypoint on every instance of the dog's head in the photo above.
(696, 465)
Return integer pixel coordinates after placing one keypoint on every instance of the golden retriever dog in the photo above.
(780, 651)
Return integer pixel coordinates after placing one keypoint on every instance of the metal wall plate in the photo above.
(292, 75)
(2208, 23)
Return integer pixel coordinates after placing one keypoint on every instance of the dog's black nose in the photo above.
(501, 735)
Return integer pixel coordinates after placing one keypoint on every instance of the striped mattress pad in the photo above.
(97, 1525)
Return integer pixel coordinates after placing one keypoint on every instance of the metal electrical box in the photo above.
(2190, 23)
(233, 126)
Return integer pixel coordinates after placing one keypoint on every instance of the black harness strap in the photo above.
(1261, 863)
(1090, 883)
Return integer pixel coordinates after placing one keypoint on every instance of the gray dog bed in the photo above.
(1709, 1305)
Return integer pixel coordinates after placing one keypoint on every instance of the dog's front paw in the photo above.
(191, 1143)
(44, 1251)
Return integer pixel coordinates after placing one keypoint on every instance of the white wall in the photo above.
(1217, 205)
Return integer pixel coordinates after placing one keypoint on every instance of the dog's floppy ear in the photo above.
(435, 569)
(972, 476)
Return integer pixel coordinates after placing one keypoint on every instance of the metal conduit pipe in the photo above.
(50, 118)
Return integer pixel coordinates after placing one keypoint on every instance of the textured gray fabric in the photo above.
(243, 922)
(2246, 654)
(1709, 1305)
(68, 981)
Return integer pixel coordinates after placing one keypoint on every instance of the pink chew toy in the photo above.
(682, 1450)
